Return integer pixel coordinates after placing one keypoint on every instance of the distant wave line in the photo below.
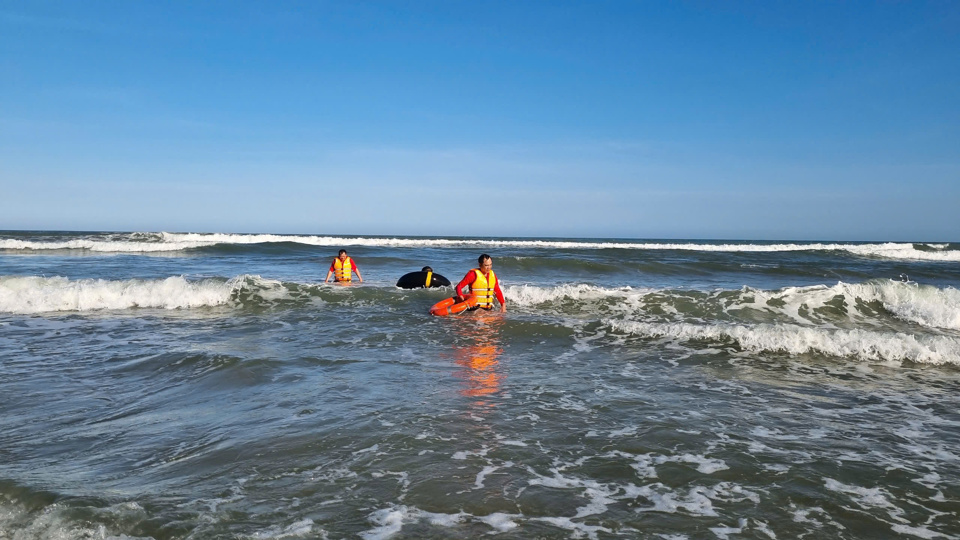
(168, 242)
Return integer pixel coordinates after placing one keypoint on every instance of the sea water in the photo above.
(160, 385)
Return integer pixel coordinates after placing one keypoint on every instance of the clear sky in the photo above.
(733, 120)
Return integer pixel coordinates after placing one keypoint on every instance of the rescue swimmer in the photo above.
(425, 278)
(483, 284)
(342, 269)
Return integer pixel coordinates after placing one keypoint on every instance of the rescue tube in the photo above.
(417, 280)
(450, 306)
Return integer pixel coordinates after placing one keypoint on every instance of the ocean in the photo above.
(201, 386)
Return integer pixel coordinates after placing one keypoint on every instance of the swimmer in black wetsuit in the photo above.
(421, 279)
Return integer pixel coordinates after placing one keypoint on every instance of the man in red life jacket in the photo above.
(483, 284)
(342, 269)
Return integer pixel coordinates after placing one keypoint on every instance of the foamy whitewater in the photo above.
(192, 386)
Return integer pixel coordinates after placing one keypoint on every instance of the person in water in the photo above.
(343, 268)
(483, 284)
(423, 278)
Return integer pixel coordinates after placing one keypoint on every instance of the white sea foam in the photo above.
(513, 443)
(531, 295)
(764, 527)
(865, 497)
(761, 431)
(645, 464)
(483, 474)
(600, 495)
(390, 521)
(373, 448)
(794, 339)
(665, 500)
(58, 522)
(300, 529)
(32, 294)
(704, 464)
(103, 246)
(806, 516)
(464, 454)
(887, 250)
(181, 241)
(500, 521)
(579, 529)
(919, 532)
(725, 532)
(925, 305)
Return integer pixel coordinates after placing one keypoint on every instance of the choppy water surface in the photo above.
(211, 386)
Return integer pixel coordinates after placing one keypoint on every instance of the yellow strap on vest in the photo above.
(429, 277)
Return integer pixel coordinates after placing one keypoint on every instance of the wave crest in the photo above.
(141, 242)
(32, 294)
(792, 339)
(924, 305)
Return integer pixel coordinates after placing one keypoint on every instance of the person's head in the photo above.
(426, 269)
(342, 255)
(485, 262)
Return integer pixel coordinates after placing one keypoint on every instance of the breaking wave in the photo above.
(795, 339)
(160, 242)
(32, 294)
(923, 305)
(876, 303)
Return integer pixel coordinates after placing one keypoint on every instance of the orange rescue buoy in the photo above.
(450, 306)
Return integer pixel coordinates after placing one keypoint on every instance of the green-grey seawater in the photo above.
(196, 386)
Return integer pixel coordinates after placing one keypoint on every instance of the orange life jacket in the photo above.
(483, 289)
(343, 269)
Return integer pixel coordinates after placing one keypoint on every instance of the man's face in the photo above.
(343, 256)
(486, 266)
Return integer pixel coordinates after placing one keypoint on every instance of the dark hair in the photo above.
(426, 269)
(342, 252)
(482, 258)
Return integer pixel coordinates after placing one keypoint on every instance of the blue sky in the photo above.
(749, 120)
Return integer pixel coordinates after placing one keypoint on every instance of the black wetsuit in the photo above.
(416, 280)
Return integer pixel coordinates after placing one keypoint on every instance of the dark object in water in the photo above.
(421, 279)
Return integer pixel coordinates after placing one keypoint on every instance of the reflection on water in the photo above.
(477, 352)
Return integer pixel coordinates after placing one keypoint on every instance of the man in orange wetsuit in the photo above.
(483, 284)
(343, 268)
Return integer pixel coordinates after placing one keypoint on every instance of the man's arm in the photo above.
(330, 271)
(499, 293)
(467, 280)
